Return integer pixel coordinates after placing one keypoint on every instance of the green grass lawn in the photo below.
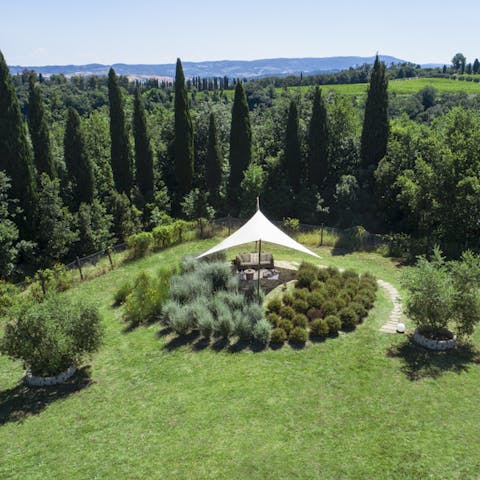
(363, 405)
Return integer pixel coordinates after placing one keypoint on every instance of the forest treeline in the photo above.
(87, 162)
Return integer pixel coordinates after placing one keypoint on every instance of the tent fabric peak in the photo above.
(258, 228)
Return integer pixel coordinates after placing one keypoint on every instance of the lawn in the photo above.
(364, 405)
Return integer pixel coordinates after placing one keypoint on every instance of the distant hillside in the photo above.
(231, 68)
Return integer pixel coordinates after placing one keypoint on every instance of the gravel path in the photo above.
(397, 313)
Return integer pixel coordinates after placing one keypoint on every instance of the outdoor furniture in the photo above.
(245, 261)
(249, 273)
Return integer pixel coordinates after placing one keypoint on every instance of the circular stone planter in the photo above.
(35, 381)
(434, 344)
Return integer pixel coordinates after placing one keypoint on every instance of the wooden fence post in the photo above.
(321, 235)
(79, 268)
(108, 251)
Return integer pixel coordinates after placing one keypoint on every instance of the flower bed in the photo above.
(322, 302)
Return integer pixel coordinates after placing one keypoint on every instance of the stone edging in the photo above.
(35, 381)
(434, 344)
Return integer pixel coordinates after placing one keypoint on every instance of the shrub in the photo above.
(147, 297)
(319, 328)
(123, 291)
(224, 325)
(254, 312)
(334, 324)
(287, 312)
(298, 335)
(359, 309)
(329, 308)
(262, 332)
(278, 336)
(365, 299)
(305, 278)
(349, 274)
(323, 275)
(51, 336)
(333, 272)
(300, 320)
(348, 317)
(274, 319)
(300, 306)
(286, 325)
(243, 326)
(140, 244)
(288, 299)
(162, 236)
(274, 305)
(216, 273)
(340, 303)
(315, 299)
(317, 285)
(314, 313)
(8, 297)
(300, 293)
(185, 288)
(206, 324)
(332, 290)
(177, 317)
(235, 300)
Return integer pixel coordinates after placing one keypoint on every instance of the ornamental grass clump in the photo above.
(52, 336)
(262, 332)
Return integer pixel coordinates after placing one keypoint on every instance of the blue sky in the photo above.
(45, 32)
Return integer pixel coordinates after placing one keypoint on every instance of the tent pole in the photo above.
(259, 263)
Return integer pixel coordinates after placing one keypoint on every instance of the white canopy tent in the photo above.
(258, 229)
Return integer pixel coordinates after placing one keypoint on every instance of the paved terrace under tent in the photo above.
(259, 229)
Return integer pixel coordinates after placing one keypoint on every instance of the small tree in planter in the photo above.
(444, 296)
(52, 336)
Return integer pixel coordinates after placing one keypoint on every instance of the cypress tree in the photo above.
(183, 143)
(143, 149)
(293, 154)
(16, 158)
(240, 144)
(318, 139)
(375, 125)
(37, 123)
(79, 165)
(476, 66)
(120, 145)
(214, 162)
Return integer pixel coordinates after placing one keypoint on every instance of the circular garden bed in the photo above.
(321, 303)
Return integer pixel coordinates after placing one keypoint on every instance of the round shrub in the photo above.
(359, 309)
(329, 308)
(278, 336)
(298, 335)
(333, 272)
(52, 336)
(315, 299)
(262, 332)
(314, 313)
(334, 324)
(300, 306)
(319, 328)
(365, 298)
(288, 299)
(274, 319)
(300, 293)
(317, 284)
(287, 312)
(300, 320)
(140, 244)
(348, 317)
(350, 274)
(305, 278)
(274, 305)
(340, 303)
(286, 325)
(177, 318)
(323, 275)
(332, 290)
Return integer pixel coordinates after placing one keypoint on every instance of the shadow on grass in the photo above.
(181, 340)
(419, 362)
(21, 401)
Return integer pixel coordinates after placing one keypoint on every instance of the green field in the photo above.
(364, 405)
(400, 87)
